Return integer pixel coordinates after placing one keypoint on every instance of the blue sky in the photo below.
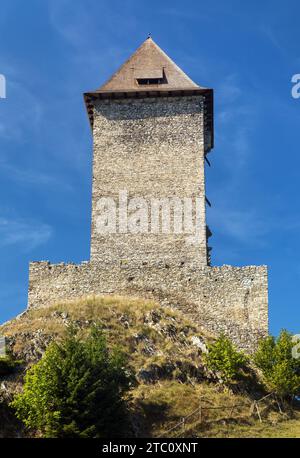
(53, 51)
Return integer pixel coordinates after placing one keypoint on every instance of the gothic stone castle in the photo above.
(152, 130)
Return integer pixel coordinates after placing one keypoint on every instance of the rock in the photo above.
(33, 345)
(199, 343)
(148, 350)
(152, 317)
(140, 337)
(124, 320)
(154, 372)
(145, 376)
(170, 330)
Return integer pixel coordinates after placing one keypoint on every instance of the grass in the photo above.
(163, 405)
(281, 429)
(149, 333)
(166, 403)
(157, 340)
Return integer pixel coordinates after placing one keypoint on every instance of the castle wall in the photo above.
(229, 299)
(152, 148)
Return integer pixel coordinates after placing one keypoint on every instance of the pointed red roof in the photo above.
(149, 68)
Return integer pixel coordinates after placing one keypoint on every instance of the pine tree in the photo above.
(76, 390)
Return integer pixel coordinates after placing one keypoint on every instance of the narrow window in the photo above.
(145, 81)
(149, 77)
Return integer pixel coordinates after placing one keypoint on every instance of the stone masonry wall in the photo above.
(229, 299)
(152, 148)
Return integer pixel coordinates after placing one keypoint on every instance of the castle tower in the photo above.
(152, 127)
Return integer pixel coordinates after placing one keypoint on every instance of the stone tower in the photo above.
(152, 127)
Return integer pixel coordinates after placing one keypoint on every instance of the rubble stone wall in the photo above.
(152, 148)
(226, 299)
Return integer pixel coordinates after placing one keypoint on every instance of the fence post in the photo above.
(231, 410)
(278, 404)
(258, 412)
(200, 411)
(183, 424)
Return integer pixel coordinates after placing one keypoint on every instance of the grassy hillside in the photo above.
(165, 351)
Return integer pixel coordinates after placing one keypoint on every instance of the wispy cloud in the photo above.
(250, 227)
(20, 107)
(32, 177)
(24, 233)
(235, 126)
(229, 89)
(246, 227)
(97, 50)
(237, 115)
(268, 32)
(80, 27)
(70, 22)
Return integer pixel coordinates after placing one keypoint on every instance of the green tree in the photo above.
(76, 390)
(222, 357)
(280, 369)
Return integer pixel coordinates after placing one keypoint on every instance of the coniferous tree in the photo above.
(76, 390)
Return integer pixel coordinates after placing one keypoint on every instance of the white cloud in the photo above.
(21, 112)
(70, 21)
(79, 24)
(24, 233)
(236, 123)
(33, 177)
(229, 89)
(237, 116)
(246, 227)
(271, 36)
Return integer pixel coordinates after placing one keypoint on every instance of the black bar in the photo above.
(145, 447)
(207, 161)
(207, 201)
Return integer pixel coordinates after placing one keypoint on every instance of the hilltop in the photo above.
(165, 352)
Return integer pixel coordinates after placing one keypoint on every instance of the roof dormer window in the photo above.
(142, 81)
(150, 77)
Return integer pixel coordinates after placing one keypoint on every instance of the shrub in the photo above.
(222, 357)
(281, 371)
(76, 390)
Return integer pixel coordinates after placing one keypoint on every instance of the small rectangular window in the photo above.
(144, 81)
(150, 76)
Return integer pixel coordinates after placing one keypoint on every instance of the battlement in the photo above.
(226, 299)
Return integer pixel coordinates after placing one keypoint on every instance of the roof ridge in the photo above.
(172, 61)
